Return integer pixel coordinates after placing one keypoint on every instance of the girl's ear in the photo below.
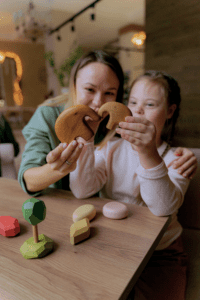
(171, 111)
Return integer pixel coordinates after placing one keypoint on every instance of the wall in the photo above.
(173, 45)
(33, 83)
(61, 48)
(131, 62)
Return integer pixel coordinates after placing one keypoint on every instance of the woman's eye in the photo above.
(150, 104)
(110, 93)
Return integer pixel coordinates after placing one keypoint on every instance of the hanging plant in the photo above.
(65, 69)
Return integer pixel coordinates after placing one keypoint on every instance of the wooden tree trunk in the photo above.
(35, 233)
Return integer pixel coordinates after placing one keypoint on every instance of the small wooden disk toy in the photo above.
(115, 210)
(9, 226)
(34, 211)
(117, 112)
(71, 123)
(79, 231)
(84, 211)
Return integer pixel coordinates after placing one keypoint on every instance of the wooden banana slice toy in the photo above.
(71, 123)
(117, 112)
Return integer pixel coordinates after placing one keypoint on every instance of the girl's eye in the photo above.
(132, 102)
(90, 90)
(150, 104)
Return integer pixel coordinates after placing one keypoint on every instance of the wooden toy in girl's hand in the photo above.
(34, 211)
(71, 123)
(117, 112)
(9, 226)
(115, 210)
(84, 211)
(79, 231)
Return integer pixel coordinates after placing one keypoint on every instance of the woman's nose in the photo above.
(98, 100)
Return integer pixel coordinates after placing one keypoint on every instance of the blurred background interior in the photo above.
(41, 40)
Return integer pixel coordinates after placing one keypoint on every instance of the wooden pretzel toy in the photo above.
(117, 112)
(71, 122)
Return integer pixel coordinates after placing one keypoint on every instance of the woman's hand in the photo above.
(64, 157)
(186, 163)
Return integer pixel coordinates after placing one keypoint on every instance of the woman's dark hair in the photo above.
(173, 96)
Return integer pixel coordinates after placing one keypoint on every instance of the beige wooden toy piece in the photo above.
(84, 211)
(117, 112)
(79, 231)
(71, 123)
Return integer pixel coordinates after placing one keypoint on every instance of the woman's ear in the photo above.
(171, 111)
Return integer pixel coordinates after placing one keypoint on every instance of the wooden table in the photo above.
(105, 266)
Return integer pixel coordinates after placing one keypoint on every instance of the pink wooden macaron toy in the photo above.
(115, 210)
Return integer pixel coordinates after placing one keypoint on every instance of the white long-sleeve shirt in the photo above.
(116, 172)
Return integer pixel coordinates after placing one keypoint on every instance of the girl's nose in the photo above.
(139, 110)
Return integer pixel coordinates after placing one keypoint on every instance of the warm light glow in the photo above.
(2, 57)
(17, 94)
(138, 38)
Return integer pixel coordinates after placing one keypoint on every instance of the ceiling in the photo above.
(111, 15)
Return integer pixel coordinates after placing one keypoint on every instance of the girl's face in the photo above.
(96, 84)
(147, 99)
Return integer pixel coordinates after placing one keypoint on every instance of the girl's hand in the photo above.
(186, 163)
(140, 132)
(63, 158)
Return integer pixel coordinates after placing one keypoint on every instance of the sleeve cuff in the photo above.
(154, 173)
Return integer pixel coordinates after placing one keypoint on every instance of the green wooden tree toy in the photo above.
(34, 211)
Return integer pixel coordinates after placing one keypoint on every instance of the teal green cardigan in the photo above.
(41, 139)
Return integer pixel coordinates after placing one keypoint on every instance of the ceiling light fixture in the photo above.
(73, 17)
(138, 39)
(32, 24)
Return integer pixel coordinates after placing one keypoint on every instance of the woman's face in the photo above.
(96, 84)
(147, 99)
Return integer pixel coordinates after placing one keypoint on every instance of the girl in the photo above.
(133, 170)
(96, 78)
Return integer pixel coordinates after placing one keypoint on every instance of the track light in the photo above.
(92, 15)
(73, 26)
